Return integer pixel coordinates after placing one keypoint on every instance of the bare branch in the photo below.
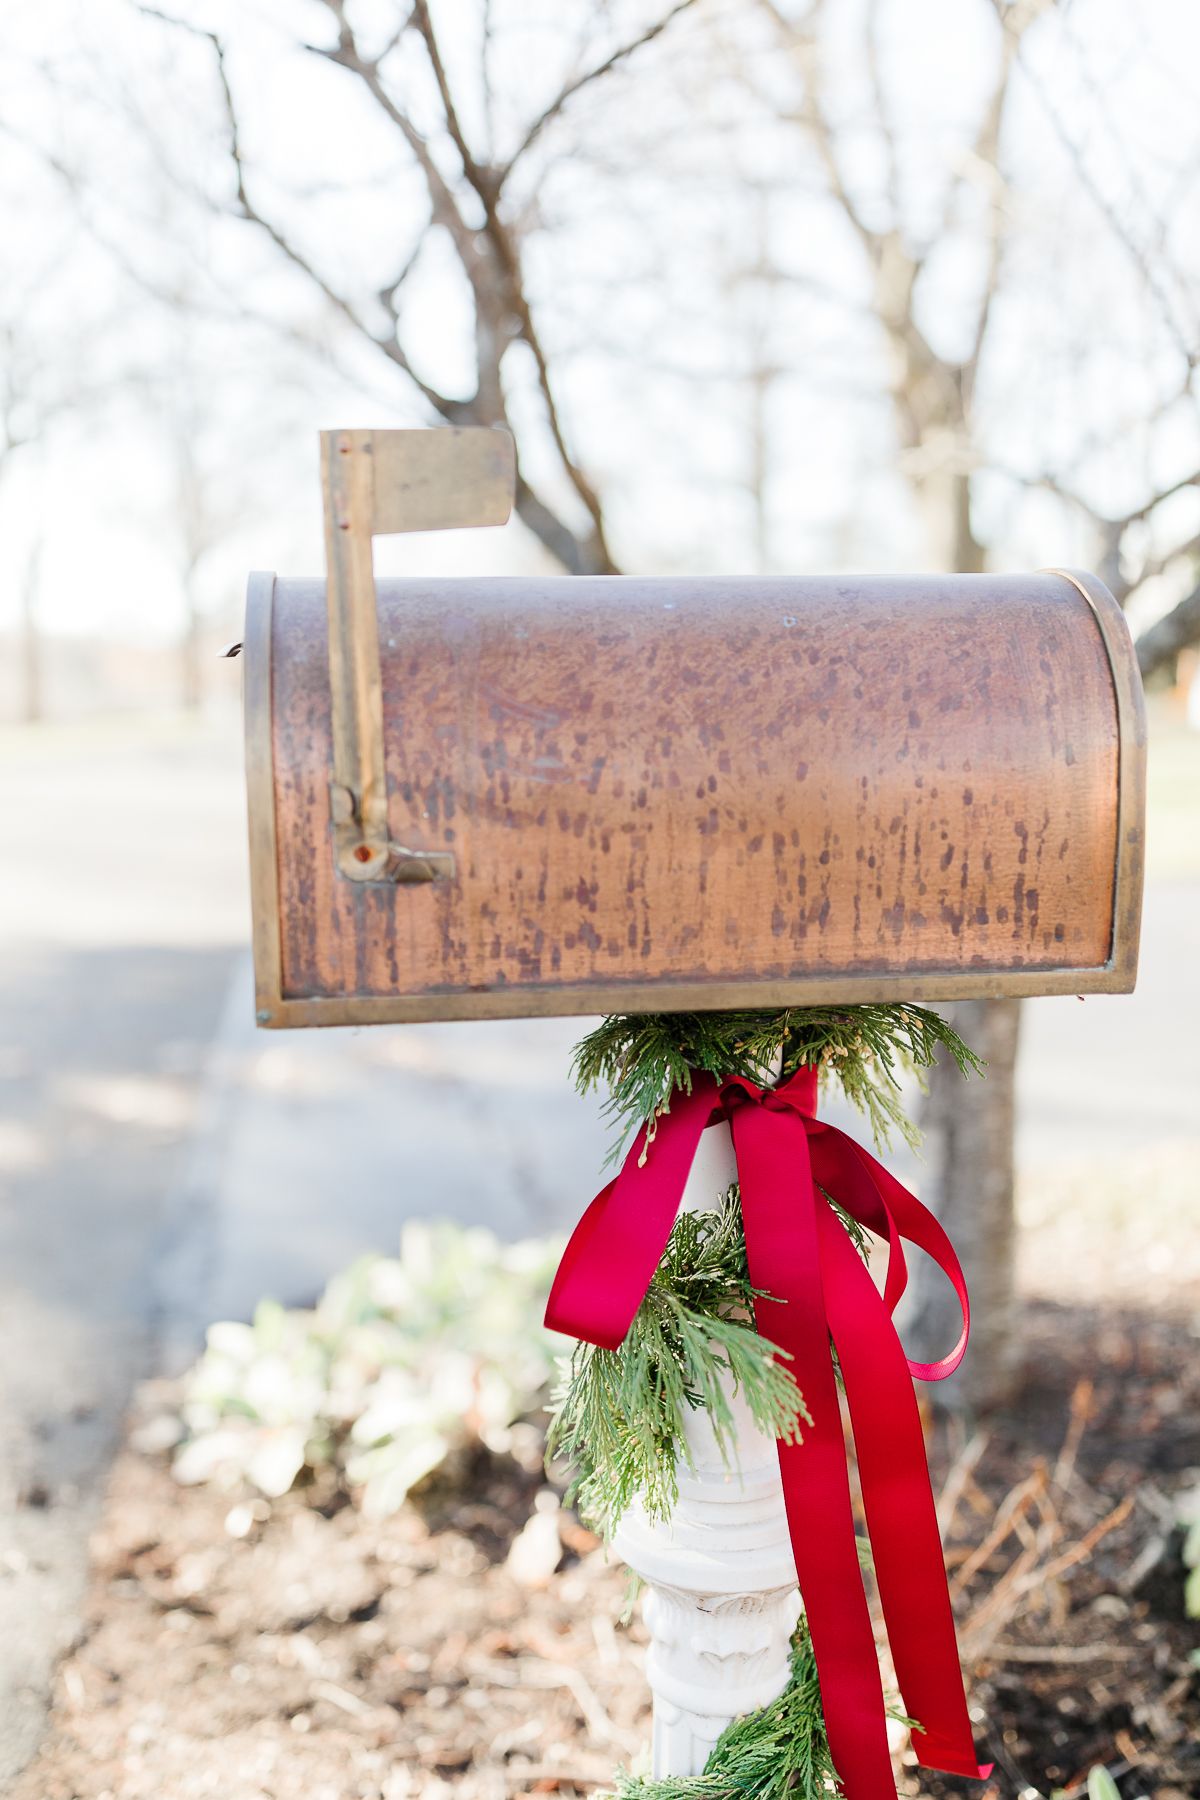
(986, 155)
(568, 93)
(246, 209)
(882, 111)
(1143, 512)
(562, 543)
(1157, 565)
(387, 293)
(487, 98)
(446, 212)
(1170, 635)
(494, 299)
(803, 42)
(480, 179)
(488, 254)
(394, 41)
(1146, 266)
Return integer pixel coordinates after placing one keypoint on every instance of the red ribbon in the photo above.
(799, 1253)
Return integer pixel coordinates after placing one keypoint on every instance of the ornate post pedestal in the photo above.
(722, 1601)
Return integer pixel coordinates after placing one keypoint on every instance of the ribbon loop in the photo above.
(799, 1254)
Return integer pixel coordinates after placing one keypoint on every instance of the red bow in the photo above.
(799, 1253)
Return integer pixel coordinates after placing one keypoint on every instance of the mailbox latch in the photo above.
(370, 855)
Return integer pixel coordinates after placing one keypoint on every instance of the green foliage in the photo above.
(1101, 1786)
(619, 1414)
(403, 1359)
(1191, 1562)
(643, 1059)
(779, 1753)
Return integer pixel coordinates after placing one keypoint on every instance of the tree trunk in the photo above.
(969, 1150)
(969, 1185)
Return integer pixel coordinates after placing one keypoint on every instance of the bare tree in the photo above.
(943, 450)
(40, 382)
(469, 180)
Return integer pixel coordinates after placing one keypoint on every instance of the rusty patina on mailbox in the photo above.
(498, 797)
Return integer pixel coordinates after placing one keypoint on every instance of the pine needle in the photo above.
(642, 1059)
(619, 1415)
(778, 1753)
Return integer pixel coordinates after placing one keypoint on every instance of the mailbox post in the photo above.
(496, 798)
(722, 1600)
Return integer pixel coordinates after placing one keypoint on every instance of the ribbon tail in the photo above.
(875, 1197)
(779, 1212)
(614, 1250)
(898, 1499)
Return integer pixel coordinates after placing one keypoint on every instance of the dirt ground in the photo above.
(304, 1651)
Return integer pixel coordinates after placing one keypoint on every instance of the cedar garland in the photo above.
(642, 1059)
(619, 1414)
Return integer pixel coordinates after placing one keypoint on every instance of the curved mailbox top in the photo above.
(665, 794)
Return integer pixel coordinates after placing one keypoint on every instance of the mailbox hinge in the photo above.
(378, 482)
(379, 858)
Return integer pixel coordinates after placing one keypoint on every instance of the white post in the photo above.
(722, 1602)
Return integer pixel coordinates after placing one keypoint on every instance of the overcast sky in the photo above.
(657, 192)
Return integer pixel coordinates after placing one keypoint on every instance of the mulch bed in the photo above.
(302, 1652)
(1079, 1646)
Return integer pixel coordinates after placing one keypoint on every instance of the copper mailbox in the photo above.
(615, 794)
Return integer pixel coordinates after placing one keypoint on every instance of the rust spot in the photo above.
(893, 918)
(951, 916)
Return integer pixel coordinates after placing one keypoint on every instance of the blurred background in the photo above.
(757, 287)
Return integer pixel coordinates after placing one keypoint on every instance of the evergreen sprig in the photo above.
(778, 1753)
(619, 1415)
(642, 1059)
